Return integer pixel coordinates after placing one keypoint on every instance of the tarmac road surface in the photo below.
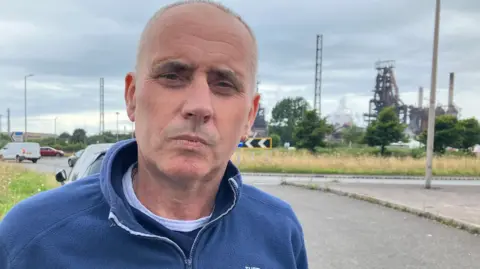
(48, 164)
(344, 233)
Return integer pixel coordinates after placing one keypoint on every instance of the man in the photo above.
(171, 198)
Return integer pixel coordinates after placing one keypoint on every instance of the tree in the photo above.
(310, 131)
(78, 136)
(447, 133)
(385, 130)
(64, 135)
(285, 115)
(469, 132)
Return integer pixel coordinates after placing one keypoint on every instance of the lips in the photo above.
(191, 138)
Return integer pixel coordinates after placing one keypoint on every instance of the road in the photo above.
(345, 233)
(53, 164)
(48, 164)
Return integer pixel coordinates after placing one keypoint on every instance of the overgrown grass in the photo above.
(282, 161)
(17, 183)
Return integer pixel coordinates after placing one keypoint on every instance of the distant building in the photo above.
(259, 128)
(31, 135)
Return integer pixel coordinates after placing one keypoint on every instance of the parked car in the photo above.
(73, 159)
(87, 164)
(49, 151)
(20, 151)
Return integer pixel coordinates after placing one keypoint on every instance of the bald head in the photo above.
(153, 26)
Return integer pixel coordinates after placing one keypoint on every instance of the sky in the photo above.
(69, 44)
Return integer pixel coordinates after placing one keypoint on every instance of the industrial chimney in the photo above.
(420, 97)
(451, 110)
(450, 90)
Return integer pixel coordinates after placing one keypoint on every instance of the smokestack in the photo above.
(420, 97)
(450, 90)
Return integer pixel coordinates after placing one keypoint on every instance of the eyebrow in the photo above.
(178, 66)
(171, 66)
(224, 73)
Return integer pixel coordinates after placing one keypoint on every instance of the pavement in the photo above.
(458, 202)
(345, 233)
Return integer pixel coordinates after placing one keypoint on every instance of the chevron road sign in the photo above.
(257, 142)
(16, 136)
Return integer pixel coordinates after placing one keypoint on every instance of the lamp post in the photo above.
(133, 129)
(117, 124)
(55, 129)
(431, 109)
(25, 103)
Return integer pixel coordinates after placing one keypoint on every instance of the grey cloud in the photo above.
(70, 46)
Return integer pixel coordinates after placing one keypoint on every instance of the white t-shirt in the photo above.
(174, 225)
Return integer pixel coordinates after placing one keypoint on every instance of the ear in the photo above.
(252, 114)
(130, 97)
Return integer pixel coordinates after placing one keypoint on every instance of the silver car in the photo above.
(73, 159)
(89, 163)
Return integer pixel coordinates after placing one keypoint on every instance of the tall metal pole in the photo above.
(25, 101)
(318, 75)
(133, 130)
(55, 129)
(102, 107)
(431, 110)
(8, 121)
(117, 124)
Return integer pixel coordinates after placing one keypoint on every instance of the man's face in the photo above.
(193, 95)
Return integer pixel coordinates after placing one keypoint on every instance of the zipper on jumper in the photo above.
(234, 189)
(187, 262)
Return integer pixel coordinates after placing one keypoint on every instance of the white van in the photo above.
(20, 151)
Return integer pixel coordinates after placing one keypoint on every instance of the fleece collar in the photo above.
(122, 155)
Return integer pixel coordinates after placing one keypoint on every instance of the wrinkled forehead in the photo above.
(199, 32)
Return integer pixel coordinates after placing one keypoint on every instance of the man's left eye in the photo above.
(225, 84)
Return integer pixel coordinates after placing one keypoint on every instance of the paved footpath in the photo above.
(344, 233)
(461, 203)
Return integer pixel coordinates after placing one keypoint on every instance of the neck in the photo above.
(166, 198)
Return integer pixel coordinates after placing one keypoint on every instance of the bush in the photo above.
(276, 140)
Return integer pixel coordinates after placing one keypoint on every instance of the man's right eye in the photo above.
(170, 76)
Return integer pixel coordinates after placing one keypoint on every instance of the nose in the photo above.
(198, 103)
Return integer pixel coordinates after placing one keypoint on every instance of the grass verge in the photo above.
(18, 183)
(278, 161)
(471, 228)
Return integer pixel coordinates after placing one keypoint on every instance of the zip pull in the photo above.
(188, 262)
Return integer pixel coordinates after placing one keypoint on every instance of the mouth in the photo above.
(191, 139)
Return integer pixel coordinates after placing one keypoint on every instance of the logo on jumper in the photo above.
(251, 267)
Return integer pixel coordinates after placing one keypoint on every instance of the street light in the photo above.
(133, 129)
(55, 129)
(25, 100)
(117, 124)
(431, 109)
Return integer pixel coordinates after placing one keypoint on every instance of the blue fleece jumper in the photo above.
(88, 224)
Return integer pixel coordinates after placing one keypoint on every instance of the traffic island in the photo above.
(455, 206)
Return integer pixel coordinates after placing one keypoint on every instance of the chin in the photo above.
(188, 167)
